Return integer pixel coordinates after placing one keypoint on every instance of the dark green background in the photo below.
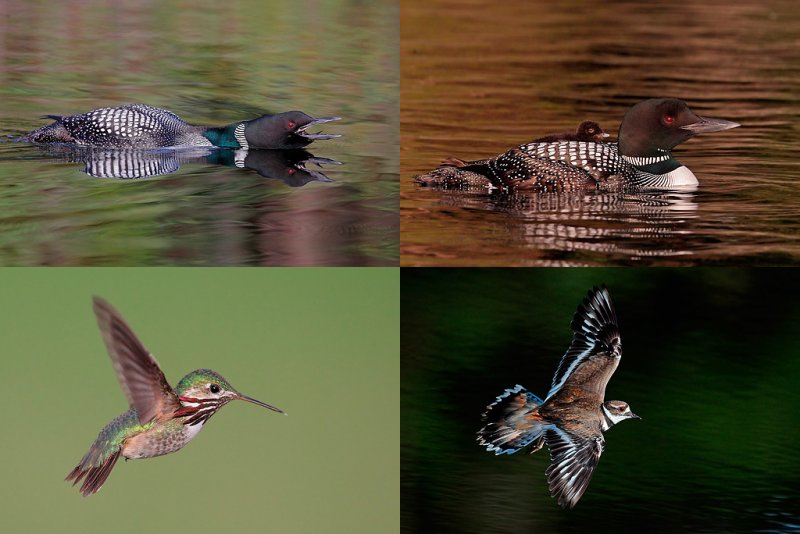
(710, 362)
(322, 344)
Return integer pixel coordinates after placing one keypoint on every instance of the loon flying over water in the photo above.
(141, 126)
(641, 158)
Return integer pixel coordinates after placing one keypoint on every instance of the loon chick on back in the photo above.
(641, 159)
(141, 126)
(587, 131)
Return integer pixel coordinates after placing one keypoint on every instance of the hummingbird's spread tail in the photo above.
(95, 476)
(507, 430)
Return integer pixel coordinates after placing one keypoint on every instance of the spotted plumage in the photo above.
(140, 126)
(572, 418)
(641, 159)
(586, 131)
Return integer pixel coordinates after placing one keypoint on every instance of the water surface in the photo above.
(478, 79)
(212, 64)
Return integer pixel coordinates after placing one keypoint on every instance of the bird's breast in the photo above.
(162, 438)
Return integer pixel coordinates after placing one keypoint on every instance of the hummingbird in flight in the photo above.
(161, 419)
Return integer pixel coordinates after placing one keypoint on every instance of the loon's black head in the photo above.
(284, 130)
(590, 131)
(653, 127)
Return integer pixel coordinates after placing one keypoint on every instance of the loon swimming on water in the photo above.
(141, 126)
(587, 131)
(641, 158)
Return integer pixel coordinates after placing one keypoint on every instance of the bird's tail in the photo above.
(510, 425)
(93, 475)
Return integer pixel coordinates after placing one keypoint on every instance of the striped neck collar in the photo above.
(640, 161)
(607, 421)
(238, 133)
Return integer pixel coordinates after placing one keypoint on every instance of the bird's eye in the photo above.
(291, 124)
(214, 388)
(668, 119)
(591, 130)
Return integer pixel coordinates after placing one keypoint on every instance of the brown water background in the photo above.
(480, 77)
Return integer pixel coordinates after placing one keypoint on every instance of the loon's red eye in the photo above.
(669, 119)
(291, 124)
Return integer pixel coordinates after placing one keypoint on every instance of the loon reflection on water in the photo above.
(543, 226)
(288, 166)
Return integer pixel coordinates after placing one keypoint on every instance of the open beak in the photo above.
(706, 124)
(318, 176)
(314, 136)
(264, 404)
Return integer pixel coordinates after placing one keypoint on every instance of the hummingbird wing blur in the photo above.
(141, 378)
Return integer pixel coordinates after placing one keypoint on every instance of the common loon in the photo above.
(141, 126)
(587, 131)
(641, 158)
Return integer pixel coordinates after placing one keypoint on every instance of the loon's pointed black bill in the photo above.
(316, 136)
(706, 124)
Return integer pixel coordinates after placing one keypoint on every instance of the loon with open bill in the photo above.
(142, 126)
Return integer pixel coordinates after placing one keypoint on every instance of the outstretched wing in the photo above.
(138, 372)
(595, 337)
(572, 463)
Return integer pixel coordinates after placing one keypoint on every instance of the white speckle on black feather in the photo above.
(131, 126)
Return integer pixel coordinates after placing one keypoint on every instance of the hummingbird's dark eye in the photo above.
(214, 388)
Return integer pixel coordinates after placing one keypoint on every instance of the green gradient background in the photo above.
(322, 344)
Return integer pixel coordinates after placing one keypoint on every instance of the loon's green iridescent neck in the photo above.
(226, 136)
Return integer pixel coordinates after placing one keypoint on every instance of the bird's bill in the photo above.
(317, 136)
(706, 124)
(264, 404)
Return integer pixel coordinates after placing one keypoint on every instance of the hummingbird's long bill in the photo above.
(264, 404)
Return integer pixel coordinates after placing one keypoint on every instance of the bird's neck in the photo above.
(230, 136)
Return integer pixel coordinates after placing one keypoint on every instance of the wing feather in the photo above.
(572, 463)
(595, 336)
(142, 380)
